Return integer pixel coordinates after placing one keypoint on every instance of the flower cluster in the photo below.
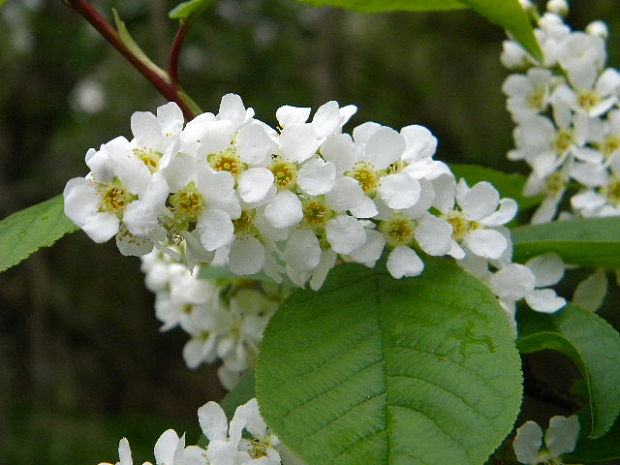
(225, 318)
(567, 113)
(288, 202)
(227, 443)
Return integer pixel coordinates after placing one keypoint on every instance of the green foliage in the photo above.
(376, 370)
(592, 344)
(508, 185)
(603, 449)
(508, 13)
(25, 232)
(588, 242)
(187, 10)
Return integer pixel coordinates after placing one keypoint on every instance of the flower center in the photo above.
(226, 160)
(114, 197)
(588, 100)
(461, 226)
(364, 174)
(398, 231)
(149, 157)
(612, 192)
(554, 185)
(610, 145)
(188, 203)
(284, 174)
(316, 213)
(536, 99)
(562, 142)
(245, 223)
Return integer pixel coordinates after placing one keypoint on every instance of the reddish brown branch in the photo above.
(175, 52)
(165, 86)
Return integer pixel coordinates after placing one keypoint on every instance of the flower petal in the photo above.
(403, 261)
(527, 443)
(486, 243)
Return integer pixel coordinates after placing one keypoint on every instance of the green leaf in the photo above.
(187, 10)
(506, 13)
(508, 185)
(592, 344)
(604, 449)
(135, 48)
(25, 232)
(374, 370)
(510, 15)
(588, 242)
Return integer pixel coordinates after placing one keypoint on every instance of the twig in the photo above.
(166, 86)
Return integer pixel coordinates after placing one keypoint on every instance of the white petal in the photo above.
(254, 145)
(544, 300)
(399, 191)
(527, 443)
(486, 243)
(366, 209)
(327, 262)
(124, 452)
(170, 118)
(590, 292)
(480, 202)
(506, 212)
(232, 108)
(165, 447)
(130, 245)
(327, 119)
(101, 227)
(284, 210)
(548, 269)
(247, 256)
(384, 147)
(513, 282)
(371, 250)
(345, 195)
(216, 136)
(345, 234)
(316, 177)
(434, 235)
(298, 142)
(213, 421)
(403, 261)
(215, 228)
(340, 150)
(145, 128)
(288, 115)
(302, 251)
(254, 184)
(420, 143)
(546, 210)
(561, 436)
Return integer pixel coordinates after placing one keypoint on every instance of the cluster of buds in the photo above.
(289, 202)
(224, 318)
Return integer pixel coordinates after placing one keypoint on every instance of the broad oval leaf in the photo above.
(376, 370)
(25, 232)
(588, 241)
(508, 14)
(507, 184)
(592, 344)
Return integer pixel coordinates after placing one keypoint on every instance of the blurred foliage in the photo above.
(82, 362)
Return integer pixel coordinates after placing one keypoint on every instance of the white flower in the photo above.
(514, 282)
(479, 211)
(527, 94)
(124, 454)
(560, 439)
